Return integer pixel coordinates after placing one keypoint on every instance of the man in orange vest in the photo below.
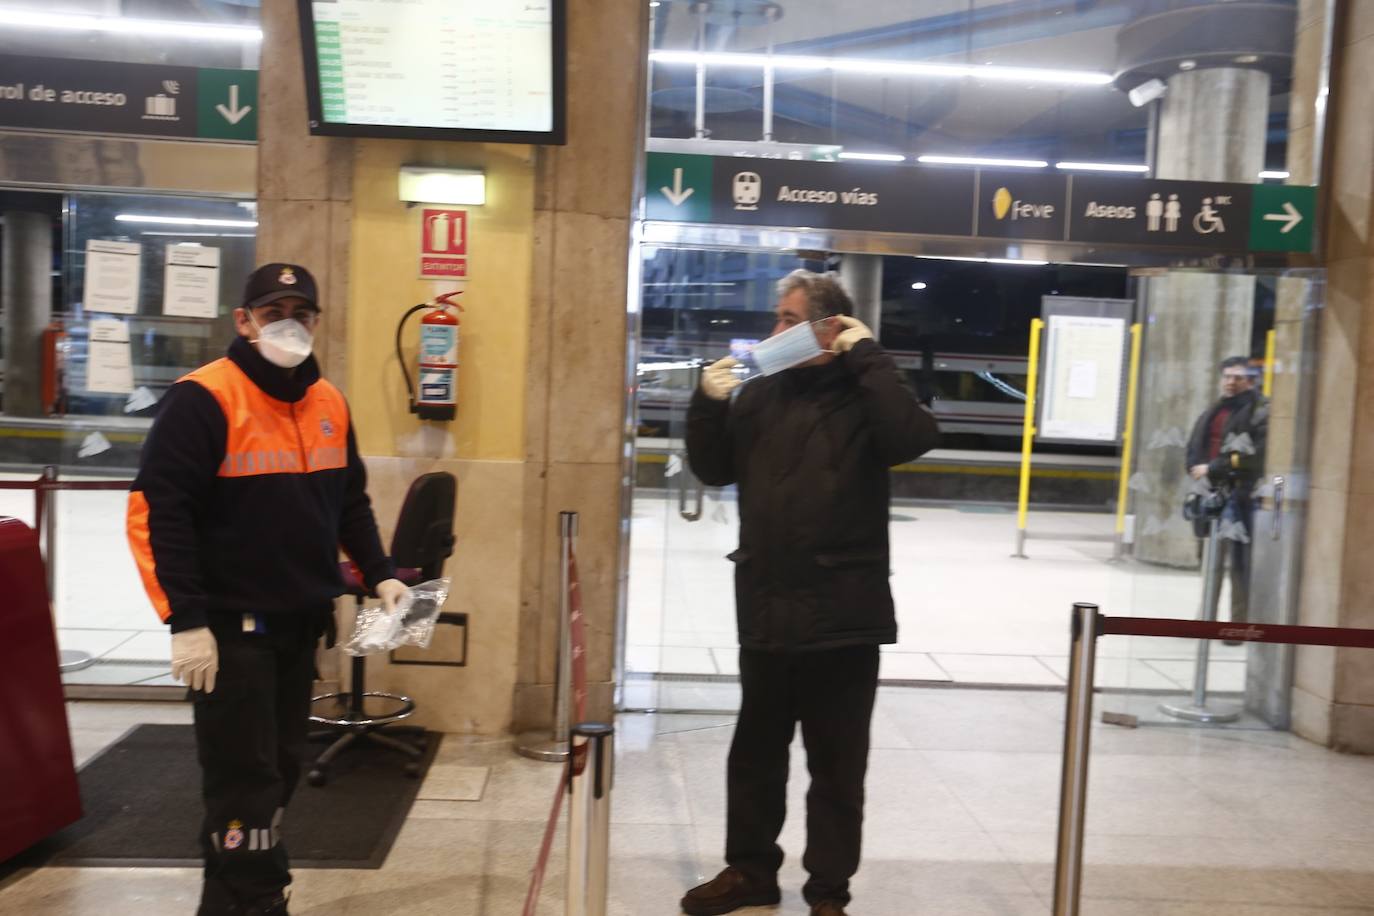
(249, 482)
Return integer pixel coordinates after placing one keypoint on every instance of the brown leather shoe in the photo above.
(729, 891)
(828, 908)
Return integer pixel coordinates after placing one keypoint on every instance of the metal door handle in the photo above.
(1276, 527)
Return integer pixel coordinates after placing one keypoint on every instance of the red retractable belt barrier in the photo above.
(43, 485)
(1244, 632)
(577, 632)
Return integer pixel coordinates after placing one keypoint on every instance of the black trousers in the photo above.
(831, 694)
(250, 738)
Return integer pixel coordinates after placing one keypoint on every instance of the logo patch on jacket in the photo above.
(233, 838)
(326, 426)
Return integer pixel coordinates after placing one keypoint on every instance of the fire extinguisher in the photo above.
(438, 364)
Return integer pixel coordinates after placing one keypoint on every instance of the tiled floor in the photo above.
(968, 612)
(962, 800)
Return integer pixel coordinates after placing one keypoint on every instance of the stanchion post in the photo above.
(1028, 438)
(1213, 554)
(48, 515)
(533, 745)
(1123, 491)
(567, 539)
(589, 818)
(1073, 785)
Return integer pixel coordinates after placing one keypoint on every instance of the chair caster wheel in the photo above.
(316, 777)
(412, 770)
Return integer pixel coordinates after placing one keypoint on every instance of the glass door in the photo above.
(681, 650)
(1223, 543)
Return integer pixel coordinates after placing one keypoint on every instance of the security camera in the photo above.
(1147, 92)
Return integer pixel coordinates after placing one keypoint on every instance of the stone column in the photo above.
(305, 184)
(26, 298)
(862, 277)
(1333, 695)
(1211, 128)
(577, 377)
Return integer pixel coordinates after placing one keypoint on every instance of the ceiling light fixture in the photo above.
(987, 72)
(142, 27)
(186, 221)
(985, 160)
(1101, 167)
(1268, 173)
(874, 157)
(918, 285)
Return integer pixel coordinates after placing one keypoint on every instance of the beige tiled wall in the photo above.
(1334, 692)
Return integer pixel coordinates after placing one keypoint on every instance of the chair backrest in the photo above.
(424, 529)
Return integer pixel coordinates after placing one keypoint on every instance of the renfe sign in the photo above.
(149, 100)
(983, 203)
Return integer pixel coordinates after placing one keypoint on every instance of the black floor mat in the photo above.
(141, 798)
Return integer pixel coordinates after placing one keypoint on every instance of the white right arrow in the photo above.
(676, 194)
(234, 114)
(1290, 217)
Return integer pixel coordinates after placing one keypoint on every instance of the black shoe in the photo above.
(268, 906)
(828, 908)
(729, 891)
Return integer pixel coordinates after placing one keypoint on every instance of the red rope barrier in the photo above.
(577, 633)
(1244, 632)
(40, 484)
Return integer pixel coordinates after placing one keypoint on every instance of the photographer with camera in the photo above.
(1226, 457)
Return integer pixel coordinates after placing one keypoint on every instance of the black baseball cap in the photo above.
(273, 282)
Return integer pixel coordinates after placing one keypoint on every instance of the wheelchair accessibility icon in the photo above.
(1207, 219)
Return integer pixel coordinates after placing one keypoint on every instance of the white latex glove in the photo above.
(719, 380)
(390, 591)
(195, 658)
(855, 331)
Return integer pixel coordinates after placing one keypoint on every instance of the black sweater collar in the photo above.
(275, 381)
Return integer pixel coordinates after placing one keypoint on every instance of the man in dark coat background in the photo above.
(1226, 450)
(809, 449)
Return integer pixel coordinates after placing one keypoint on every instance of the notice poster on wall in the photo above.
(190, 287)
(112, 276)
(1084, 358)
(109, 366)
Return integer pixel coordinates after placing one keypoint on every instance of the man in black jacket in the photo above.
(249, 483)
(809, 449)
(1226, 451)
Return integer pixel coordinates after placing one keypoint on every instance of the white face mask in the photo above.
(792, 347)
(284, 343)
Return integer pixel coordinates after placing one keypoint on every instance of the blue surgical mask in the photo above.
(792, 347)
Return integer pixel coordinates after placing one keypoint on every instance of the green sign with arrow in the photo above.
(678, 187)
(1281, 217)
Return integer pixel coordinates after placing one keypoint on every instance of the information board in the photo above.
(444, 69)
(1083, 369)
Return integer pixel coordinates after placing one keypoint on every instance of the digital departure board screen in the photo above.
(486, 70)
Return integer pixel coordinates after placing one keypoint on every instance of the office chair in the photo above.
(423, 540)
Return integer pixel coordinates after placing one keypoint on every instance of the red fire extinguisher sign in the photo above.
(443, 244)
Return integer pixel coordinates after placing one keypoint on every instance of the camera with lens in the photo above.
(1202, 508)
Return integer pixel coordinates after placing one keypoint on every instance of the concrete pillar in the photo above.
(26, 299)
(1333, 694)
(575, 395)
(1211, 127)
(305, 185)
(861, 275)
